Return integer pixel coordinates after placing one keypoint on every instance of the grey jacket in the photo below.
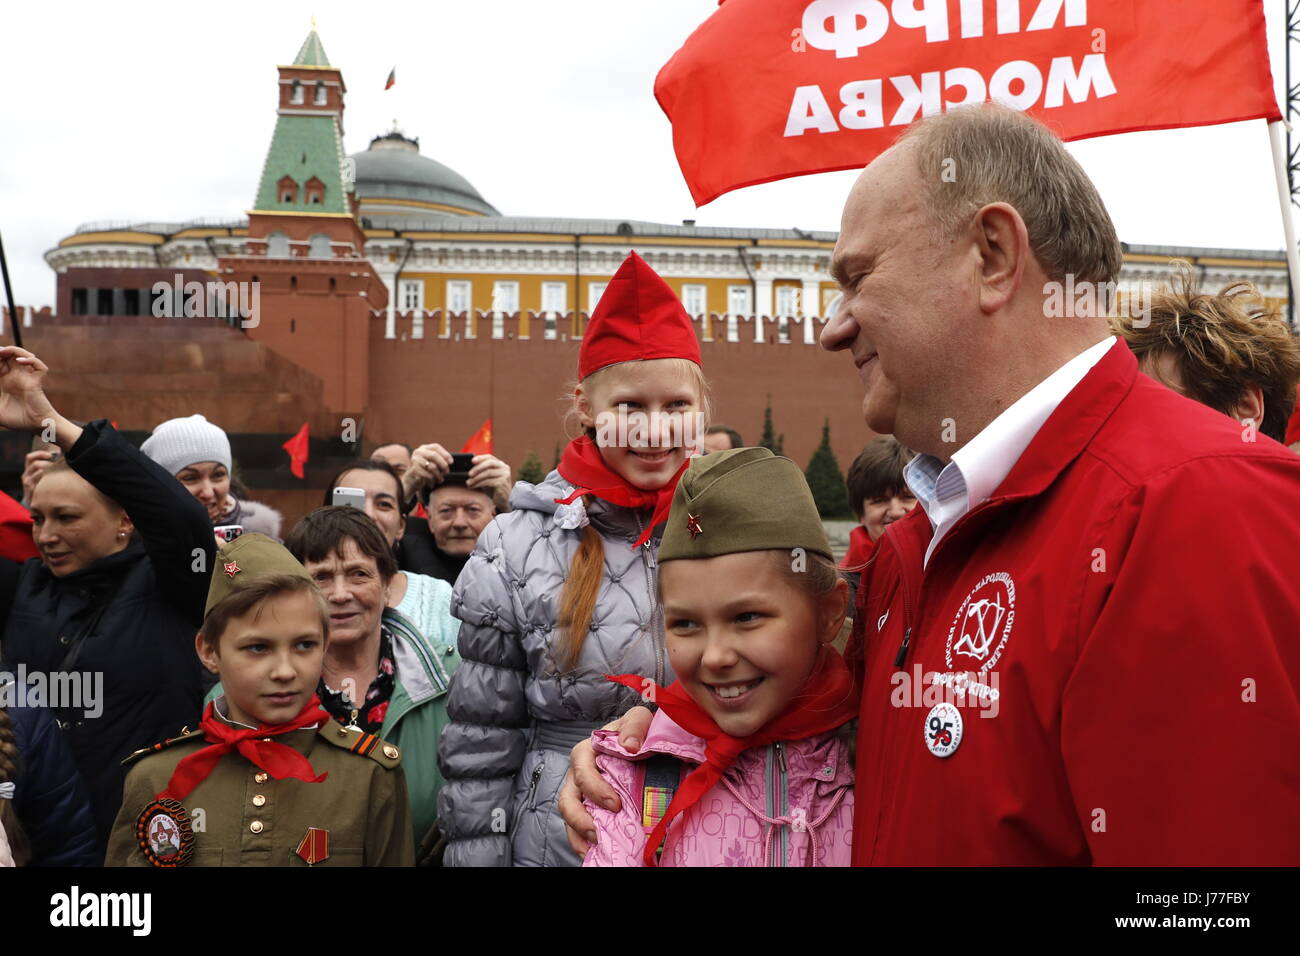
(514, 717)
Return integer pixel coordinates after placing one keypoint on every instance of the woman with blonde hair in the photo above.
(562, 590)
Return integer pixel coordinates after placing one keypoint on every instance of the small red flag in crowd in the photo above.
(392, 78)
(829, 84)
(15, 531)
(481, 441)
(297, 449)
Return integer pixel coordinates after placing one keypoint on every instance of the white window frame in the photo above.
(505, 296)
(555, 297)
(277, 246)
(321, 95)
(787, 300)
(594, 291)
(411, 295)
(296, 93)
(831, 302)
(747, 296)
(460, 295)
(695, 294)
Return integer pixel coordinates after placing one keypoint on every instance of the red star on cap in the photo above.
(233, 568)
(693, 526)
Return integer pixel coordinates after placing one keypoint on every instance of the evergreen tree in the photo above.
(770, 441)
(531, 470)
(827, 481)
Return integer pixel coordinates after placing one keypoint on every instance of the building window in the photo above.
(740, 301)
(695, 298)
(320, 94)
(296, 94)
(553, 299)
(554, 295)
(315, 191)
(505, 297)
(287, 188)
(80, 301)
(412, 296)
(277, 246)
(458, 295)
(787, 300)
(320, 248)
(594, 291)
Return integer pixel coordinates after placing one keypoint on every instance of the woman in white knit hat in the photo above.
(197, 452)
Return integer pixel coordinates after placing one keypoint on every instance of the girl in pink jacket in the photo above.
(743, 764)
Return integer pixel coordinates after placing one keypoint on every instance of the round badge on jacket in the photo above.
(164, 833)
(943, 728)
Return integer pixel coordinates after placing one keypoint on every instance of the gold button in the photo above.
(391, 752)
(256, 826)
(259, 800)
(261, 777)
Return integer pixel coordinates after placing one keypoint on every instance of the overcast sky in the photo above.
(164, 111)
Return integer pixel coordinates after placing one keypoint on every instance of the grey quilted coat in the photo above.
(514, 715)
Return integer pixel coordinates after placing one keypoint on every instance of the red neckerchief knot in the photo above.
(584, 468)
(279, 760)
(826, 702)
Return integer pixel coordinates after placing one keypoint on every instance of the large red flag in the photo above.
(766, 89)
(480, 442)
(297, 447)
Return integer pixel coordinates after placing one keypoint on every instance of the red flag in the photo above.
(297, 449)
(480, 442)
(16, 542)
(791, 87)
(392, 78)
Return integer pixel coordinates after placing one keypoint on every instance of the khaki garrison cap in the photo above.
(247, 557)
(745, 499)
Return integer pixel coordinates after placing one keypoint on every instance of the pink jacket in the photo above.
(787, 804)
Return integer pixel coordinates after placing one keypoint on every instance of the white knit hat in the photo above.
(180, 442)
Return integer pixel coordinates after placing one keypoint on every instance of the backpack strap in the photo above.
(661, 775)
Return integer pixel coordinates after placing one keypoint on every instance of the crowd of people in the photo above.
(652, 656)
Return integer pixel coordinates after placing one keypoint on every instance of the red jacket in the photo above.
(1134, 579)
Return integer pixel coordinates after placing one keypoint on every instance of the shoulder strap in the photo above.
(660, 776)
(356, 741)
(186, 736)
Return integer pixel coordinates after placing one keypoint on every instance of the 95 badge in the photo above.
(943, 728)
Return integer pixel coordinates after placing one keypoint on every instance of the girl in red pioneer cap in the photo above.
(561, 590)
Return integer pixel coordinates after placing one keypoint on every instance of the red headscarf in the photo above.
(279, 760)
(826, 701)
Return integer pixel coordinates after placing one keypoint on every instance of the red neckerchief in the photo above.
(826, 702)
(279, 760)
(584, 468)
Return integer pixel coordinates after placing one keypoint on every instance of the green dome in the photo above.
(392, 168)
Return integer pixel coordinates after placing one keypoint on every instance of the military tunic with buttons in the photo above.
(247, 818)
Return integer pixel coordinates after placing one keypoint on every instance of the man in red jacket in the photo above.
(1084, 646)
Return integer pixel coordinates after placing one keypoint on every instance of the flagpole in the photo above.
(1284, 200)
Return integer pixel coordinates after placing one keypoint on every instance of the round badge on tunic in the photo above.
(164, 833)
(943, 730)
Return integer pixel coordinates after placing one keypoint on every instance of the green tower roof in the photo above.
(304, 147)
(311, 53)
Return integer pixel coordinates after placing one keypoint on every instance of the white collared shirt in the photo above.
(948, 491)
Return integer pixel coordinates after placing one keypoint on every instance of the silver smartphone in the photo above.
(350, 498)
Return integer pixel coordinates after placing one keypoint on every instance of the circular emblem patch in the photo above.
(164, 833)
(980, 630)
(943, 730)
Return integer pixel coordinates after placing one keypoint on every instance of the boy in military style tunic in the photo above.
(268, 779)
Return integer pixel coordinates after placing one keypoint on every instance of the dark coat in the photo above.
(50, 798)
(129, 618)
(419, 553)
